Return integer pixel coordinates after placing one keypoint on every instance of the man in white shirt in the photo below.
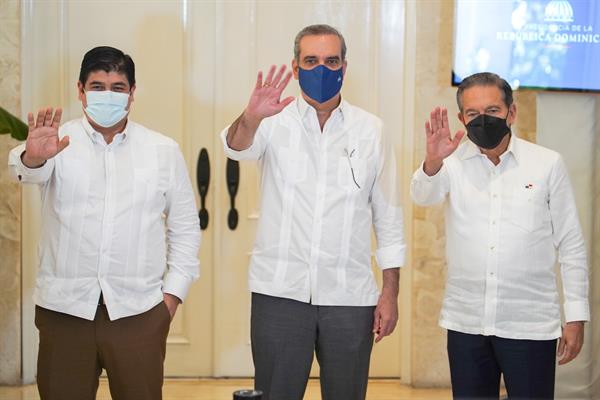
(328, 176)
(119, 238)
(509, 209)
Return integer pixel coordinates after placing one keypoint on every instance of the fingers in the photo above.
(57, 117)
(48, 116)
(30, 121)
(435, 120)
(285, 102)
(376, 321)
(428, 130)
(64, 142)
(561, 347)
(568, 350)
(259, 80)
(270, 75)
(568, 356)
(278, 76)
(285, 82)
(40, 118)
(457, 138)
(444, 118)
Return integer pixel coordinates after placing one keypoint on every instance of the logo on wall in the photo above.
(558, 11)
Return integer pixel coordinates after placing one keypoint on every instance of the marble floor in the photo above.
(222, 389)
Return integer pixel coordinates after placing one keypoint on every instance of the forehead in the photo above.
(108, 78)
(329, 45)
(482, 96)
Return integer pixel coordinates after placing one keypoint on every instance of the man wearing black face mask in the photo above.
(327, 178)
(510, 207)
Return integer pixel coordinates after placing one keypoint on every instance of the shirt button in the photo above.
(493, 222)
(492, 247)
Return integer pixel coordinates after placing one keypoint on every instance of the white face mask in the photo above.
(106, 108)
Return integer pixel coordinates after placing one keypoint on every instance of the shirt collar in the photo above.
(471, 150)
(304, 108)
(97, 137)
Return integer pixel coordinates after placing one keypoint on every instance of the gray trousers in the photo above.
(285, 335)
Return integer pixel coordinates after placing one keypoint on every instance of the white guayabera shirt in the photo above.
(118, 218)
(321, 192)
(504, 225)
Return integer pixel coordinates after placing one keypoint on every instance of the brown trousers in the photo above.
(73, 351)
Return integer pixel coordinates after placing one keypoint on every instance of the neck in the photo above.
(109, 133)
(494, 154)
(324, 109)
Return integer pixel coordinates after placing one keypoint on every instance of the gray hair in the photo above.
(485, 79)
(318, 30)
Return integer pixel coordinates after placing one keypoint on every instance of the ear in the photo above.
(461, 118)
(512, 114)
(344, 67)
(81, 93)
(295, 67)
(131, 97)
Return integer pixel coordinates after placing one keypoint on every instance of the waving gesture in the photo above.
(42, 140)
(439, 142)
(265, 101)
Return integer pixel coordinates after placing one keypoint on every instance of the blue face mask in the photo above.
(320, 83)
(106, 108)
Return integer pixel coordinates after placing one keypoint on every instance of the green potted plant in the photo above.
(12, 125)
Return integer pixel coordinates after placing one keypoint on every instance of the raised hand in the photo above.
(42, 140)
(440, 144)
(265, 100)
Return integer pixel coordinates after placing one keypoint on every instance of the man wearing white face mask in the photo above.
(119, 240)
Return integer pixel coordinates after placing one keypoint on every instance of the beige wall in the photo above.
(10, 202)
(433, 88)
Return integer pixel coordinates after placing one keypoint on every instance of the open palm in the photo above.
(440, 144)
(43, 142)
(265, 100)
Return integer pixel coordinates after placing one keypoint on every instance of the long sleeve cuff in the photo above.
(177, 285)
(24, 174)
(421, 176)
(577, 311)
(248, 154)
(391, 256)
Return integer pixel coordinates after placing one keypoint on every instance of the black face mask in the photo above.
(487, 131)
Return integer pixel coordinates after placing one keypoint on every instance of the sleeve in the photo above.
(568, 239)
(388, 221)
(20, 172)
(428, 190)
(183, 231)
(256, 149)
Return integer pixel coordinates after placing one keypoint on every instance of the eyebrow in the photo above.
(337, 58)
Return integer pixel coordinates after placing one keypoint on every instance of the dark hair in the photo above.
(318, 30)
(108, 59)
(485, 79)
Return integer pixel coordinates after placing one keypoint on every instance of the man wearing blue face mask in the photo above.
(119, 238)
(328, 177)
(509, 209)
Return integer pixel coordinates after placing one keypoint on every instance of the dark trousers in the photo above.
(476, 363)
(73, 351)
(286, 333)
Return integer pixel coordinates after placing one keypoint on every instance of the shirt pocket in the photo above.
(352, 173)
(529, 207)
(292, 165)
